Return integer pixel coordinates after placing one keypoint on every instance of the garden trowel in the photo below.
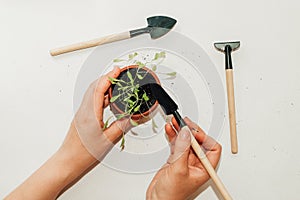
(157, 27)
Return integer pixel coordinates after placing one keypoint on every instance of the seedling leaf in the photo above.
(133, 123)
(122, 145)
(113, 80)
(137, 108)
(106, 123)
(130, 101)
(139, 76)
(129, 76)
(140, 64)
(145, 97)
(114, 98)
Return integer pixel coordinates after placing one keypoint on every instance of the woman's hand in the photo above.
(183, 174)
(84, 146)
(88, 121)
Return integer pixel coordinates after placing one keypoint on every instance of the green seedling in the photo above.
(128, 92)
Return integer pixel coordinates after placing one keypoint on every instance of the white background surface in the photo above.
(36, 89)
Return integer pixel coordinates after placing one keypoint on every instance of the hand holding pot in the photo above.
(183, 173)
(84, 146)
(88, 120)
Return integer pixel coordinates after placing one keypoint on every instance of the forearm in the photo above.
(60, 171)
(45, 183)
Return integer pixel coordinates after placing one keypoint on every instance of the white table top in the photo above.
(37, 89)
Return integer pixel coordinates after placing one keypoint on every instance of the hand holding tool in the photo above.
(170, 107)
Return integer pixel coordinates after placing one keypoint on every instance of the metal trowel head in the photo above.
(160, 25)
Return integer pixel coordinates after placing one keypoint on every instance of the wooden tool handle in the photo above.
(209, 168)
(231, 109)
(90, 43)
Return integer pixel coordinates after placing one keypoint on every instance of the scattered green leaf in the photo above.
(118, 60)
(159, 55)
(154, 67)
(131, 56)
(171, 74)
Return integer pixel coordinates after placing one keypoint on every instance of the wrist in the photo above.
(69, 169)
(73, 156)
(59, 172)
(47, 182)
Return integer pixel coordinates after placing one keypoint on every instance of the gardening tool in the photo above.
(227, 48)
(157, 27)
(170, 107)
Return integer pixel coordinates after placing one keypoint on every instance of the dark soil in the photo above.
(145, 105)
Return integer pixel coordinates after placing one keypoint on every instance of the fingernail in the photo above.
(184, 134)
(187, 119)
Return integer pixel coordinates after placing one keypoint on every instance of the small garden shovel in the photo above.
(157, 27)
